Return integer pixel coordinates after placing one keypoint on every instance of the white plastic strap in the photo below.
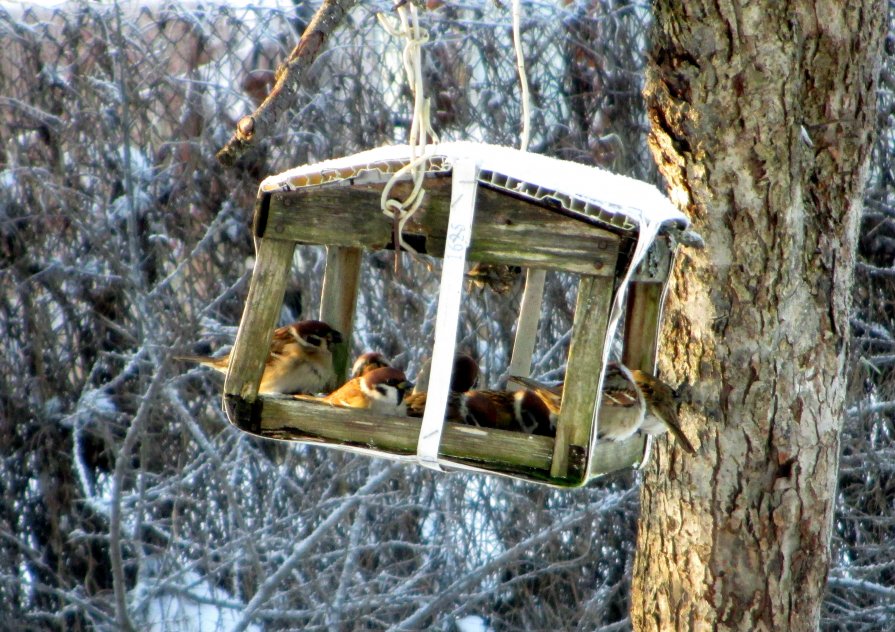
(464, 183)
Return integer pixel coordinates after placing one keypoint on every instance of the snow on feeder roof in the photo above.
(616, 201)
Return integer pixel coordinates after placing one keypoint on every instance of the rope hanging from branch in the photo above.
(533, 297)
(400, 211)
(523, 79)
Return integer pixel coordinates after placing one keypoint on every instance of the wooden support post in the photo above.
(273, 261)
(646, 297)
(337, 303)
(642, 326)
(527, 325)
(582, 371)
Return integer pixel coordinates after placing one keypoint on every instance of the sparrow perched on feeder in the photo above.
(464, 376)
(632, 401)
(498, 278)
(622, 409)
(380, 391)
(369, 361)
(299, 361)
(521, 410)
(661, 409)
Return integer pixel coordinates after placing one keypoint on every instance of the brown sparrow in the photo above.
(632, 401)
(464, 376)
(416, 405)
(520, 411)
(498, 278)
(380, 391)
(300, 360)
(369, 361)
(622, 408)
(661, 409)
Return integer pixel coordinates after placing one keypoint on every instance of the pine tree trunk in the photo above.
(761, 119)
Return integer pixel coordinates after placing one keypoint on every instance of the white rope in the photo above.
(523, 79)
(420, 128)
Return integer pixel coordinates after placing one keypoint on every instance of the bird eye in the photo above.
(314, 340)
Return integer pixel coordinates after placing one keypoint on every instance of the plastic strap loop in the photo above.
(459, 234)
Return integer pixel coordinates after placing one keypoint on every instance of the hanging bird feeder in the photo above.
(487, 204)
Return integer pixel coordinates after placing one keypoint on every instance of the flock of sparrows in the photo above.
(300, 364)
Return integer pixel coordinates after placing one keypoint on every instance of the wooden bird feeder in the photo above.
(616, 233)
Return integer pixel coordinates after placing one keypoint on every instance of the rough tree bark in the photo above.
(761, 119)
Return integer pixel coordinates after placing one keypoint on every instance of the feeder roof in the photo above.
(620, 202)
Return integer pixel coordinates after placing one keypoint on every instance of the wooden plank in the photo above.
(643, 314)
(584, 364)
(273, 260)
(293, 419)
(338, 299)
(642, 325)
(528, 456)
(507, 230)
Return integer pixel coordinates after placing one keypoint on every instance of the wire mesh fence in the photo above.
(127, 496)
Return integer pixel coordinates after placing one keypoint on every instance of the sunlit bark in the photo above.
(761, 117)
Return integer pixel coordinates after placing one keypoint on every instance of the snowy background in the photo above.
(123, 242)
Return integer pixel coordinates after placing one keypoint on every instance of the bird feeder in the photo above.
(616, 233)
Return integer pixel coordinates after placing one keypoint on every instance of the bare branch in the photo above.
(290, 74)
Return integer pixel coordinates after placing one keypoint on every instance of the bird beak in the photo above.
(404, 388)
(335, 337)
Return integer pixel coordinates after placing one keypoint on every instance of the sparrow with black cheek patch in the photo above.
(622, 408)
(300, 360)
(380, 391)
(661, 409)
(520, 411)
(369, 361)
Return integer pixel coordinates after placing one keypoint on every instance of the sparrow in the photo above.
(464, 376)
(661, 409)
(498, 278)
(520, 411)
(380, 391)
(632, 400)
(369, 361)
(622, 407)
(300, 360)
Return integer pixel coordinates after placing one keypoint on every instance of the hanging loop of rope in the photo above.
(400, 211)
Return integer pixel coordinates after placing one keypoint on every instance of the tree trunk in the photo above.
(761, 120)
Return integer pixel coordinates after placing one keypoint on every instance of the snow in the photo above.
(188, 605)
(574, 184)
(473, 623)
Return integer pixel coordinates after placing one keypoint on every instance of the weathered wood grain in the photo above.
(584, 365)
(259, 317)
(507, 230)
(338, 298)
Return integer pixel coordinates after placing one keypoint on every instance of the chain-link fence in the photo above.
(123, 242)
